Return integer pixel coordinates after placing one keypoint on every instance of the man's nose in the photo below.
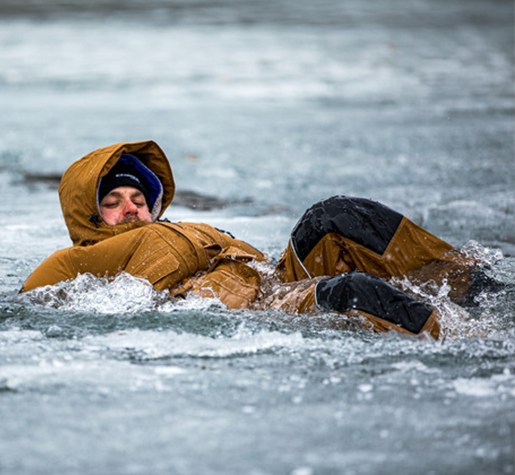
(130, 207)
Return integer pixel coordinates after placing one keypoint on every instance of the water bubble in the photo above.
(365, 388)
(54, 331)
(384, 433)
(302, 471)
(487, 256)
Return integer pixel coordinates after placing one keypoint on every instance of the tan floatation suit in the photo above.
(191, 257)
(176, 256)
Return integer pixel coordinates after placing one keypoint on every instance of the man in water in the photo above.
(339, 256)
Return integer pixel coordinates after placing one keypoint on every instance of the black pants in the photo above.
(356, 245)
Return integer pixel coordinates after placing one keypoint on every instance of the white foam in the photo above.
(413, 365)
(455, 321)
(487, 256)
(12, 337)
(192, 302)
(124, 294)
(496, 385)
(98, 376)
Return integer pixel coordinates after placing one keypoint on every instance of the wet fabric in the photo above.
(363, 221)
(335, 237)
(404, 246)
(172, 256)
(361, 291)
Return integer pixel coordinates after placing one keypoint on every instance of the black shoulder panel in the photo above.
(361, 291)
(366, 222)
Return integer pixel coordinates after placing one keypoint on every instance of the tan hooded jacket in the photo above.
(175, 256)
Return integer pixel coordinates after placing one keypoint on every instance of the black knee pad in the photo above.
(365, 222)
(370, 294)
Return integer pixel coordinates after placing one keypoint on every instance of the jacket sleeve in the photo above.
(233, 282)
(105, 258)
(56, 268)
(230, 277)
(100, 259)
(198, 258)
(161, 254)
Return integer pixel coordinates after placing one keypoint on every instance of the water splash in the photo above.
(99, 295)
(488, 257)
(487, 320)
(129, 295)
(490, 316)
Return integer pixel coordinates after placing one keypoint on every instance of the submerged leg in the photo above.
(386, 307)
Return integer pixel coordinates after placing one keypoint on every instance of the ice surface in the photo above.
(271, 106)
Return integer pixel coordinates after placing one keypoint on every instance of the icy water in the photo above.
(269, 106)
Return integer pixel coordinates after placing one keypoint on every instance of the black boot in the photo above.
(370, 294)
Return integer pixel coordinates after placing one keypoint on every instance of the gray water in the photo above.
(270, 106)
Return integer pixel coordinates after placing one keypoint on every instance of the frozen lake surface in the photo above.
(269, 106)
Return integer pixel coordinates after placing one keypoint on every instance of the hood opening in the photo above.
(79, 188)
(154, 189)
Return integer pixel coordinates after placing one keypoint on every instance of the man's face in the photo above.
(124, 204)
